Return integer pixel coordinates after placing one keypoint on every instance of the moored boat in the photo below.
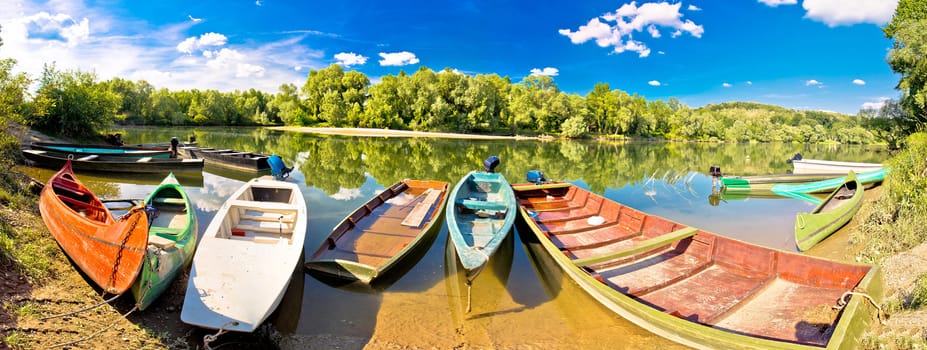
(114, 164)
(80, 150)
(246, 257)
(830, 215)
(383, 232)
(171, 240)
(806, 166)
(796, 183)
(108, 250)
(229, 158)
(694, 287)
(481, 213)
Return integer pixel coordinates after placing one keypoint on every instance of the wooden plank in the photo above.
(274, 207)
(160, 242)
(641, 247)
(168, 200)
(414, 219)
(269, 218)
(286, 229)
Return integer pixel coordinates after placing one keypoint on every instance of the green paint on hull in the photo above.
(811, 228)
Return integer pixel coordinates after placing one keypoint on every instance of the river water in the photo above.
(521, 300)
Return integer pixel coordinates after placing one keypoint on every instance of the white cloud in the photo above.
(661, 52)
(346, 194)
(348, 59)
(194, 19)
(775, 3)
(548, 71)
(859, 82)
(727, 85)
(875, 105)
(191, 44)
(114, 45)
(258, 3)
(694, 8)
(653, 83)
(813, 82)
(398, 58)
(749, 82)
(630, 18)
(849, 12)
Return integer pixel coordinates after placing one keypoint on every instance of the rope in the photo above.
(841, 303)
(209, 338)
(81, 310)
(112, 277)
(469, 295)
(81, 340)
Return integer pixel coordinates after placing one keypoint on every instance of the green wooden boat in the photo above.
(383, 233)
(830, 215)
(796, 183)
(79, 150)
(171, 241)
(699, 289)
(482, 215)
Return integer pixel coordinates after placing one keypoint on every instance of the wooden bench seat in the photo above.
(641, 247)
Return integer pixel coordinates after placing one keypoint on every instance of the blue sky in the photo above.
(811, 54)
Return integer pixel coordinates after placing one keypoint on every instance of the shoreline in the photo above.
(370, 132)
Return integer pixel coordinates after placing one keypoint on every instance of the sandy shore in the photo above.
(395, 133)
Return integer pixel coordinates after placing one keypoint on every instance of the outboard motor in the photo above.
(174, 143)
(192, 139)
(277, 168)
(535, 176)
(715, 172)
(490, 164)
(797, 156)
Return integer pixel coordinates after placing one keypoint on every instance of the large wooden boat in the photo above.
(238, 160)
(803, 166)
(481, 215)
(830, 215)
(79, 150)
(109, 251)
(171, 240)
(246, 257)
(380, 234)
(694, 287)
(114, 164)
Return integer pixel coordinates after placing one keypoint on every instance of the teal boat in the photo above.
(829, 216)
(826, 186)
(79, 150)
(171, 240)
(483, 212)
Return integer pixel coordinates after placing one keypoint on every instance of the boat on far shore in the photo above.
(113, 164)
(229, 158)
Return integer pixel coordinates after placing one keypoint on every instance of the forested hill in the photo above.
(445, 101)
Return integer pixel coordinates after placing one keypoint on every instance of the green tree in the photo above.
(80, 106)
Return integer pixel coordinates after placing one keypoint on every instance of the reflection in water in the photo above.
(521, 303)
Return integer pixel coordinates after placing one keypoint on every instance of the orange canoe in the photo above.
(110, 252)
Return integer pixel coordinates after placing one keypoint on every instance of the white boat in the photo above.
(246, 257)
(817, 166)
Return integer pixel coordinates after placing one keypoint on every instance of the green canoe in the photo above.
(830, 215)
(795, 183)
(482, 215)
(171, 241)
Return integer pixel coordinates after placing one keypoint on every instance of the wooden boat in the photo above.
(694, 287)
(171, 241)
(482, 215)
(246, 257)
(79, 150)
(830, 215)
(803, 166)
(116, 164)
(238, 160)
(109, 251)
(373, 239)
(796, 183)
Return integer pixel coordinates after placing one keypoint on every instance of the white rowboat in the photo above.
(817, 166)
(246, 257)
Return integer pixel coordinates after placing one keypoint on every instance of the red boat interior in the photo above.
(693, 274)
(79, 198)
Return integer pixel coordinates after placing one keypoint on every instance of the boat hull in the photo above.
(115, 164)
(481, 213)
(691, 286)
(381, 234)
(830, 215)
(796, 183)
(108, 251)
(237, 160)
(246, 257)
(171, 241)
(833, 167)
(79, 150)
